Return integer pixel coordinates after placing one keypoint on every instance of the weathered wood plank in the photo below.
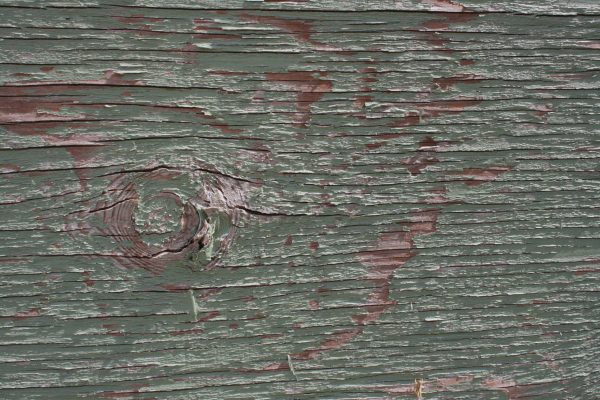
(298, 199)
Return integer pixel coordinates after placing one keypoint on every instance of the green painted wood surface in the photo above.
(299, 199)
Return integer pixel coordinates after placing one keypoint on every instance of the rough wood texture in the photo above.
(299, 199)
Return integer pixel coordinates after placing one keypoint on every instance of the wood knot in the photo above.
(167, 215)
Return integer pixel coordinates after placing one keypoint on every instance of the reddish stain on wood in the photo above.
(574, 76)
(587, 271)
(193, 331)
(447, 383)
(416, 164)
(516, 391)
(110, 77)
(449, 13)
(113, 394)
(301, 30)
(374, 312)
(276, 367)
(309, 88)
(392, 251)
(210, 315)
(376, 145)
(267, 368)
(338, 340)
(433, 109)
(542, 110)
(88, 281)
(361, 101)
(206, 294)
(175, 287)
(479, 176)
(82, 155)
(428, 386)
(257, 316)
(589, 44)
(198, 112)
(411, 119)
(9, 168)
(428, 143)
(31, 109)
(31, 313)
(447, 83)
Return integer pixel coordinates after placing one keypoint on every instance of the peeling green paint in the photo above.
(299, 200)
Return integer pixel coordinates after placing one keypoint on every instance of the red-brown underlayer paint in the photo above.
(309, 90)
(392, 251)
(337, 340)
(31, 313)
(447, 83)
(425, 111)
(478, 176)
(26, 115)
(433, 385)
(450, 12)
(301, 30)
(515, 391)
